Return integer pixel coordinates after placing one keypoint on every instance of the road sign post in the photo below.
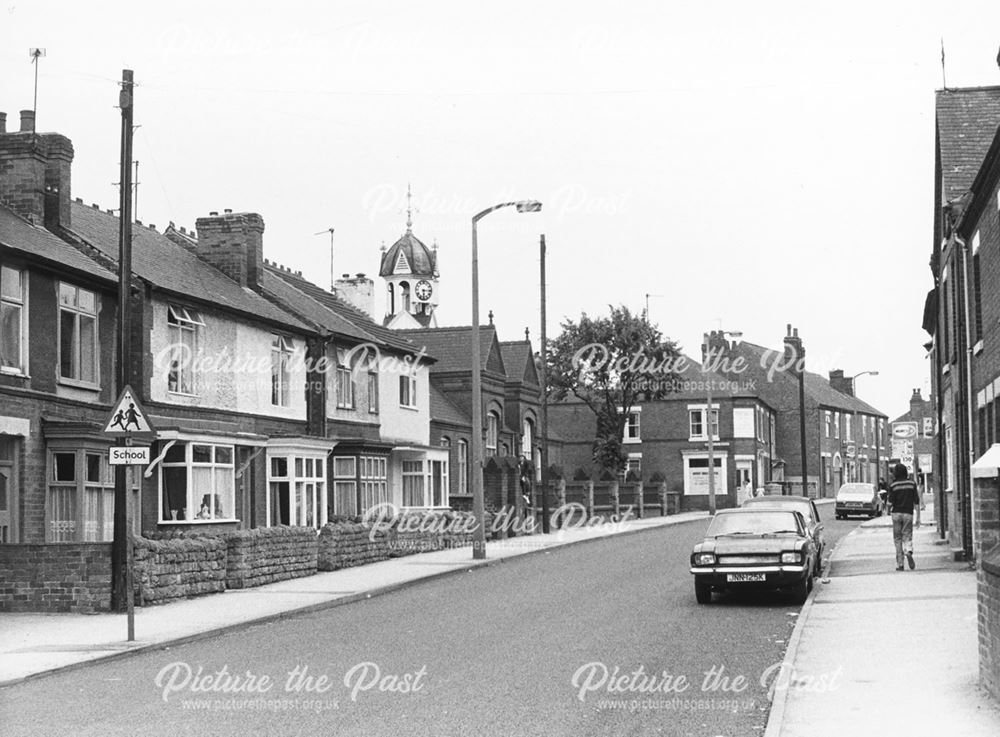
(127, 421)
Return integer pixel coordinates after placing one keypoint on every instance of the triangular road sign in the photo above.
(128, 418)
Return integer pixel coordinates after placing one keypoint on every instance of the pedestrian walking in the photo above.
(902, 498)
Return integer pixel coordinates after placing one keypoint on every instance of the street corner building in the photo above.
(962, 317)
(755, 419)
(277, 404)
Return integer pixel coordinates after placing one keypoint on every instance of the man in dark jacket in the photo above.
(902, 499)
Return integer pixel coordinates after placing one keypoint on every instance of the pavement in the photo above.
(881, 652)
(36, 644)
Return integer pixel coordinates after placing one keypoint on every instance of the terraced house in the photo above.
(274, 402)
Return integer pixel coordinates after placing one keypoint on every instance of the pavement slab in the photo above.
(884, 652)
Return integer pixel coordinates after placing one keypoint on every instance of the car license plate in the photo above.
(738, 577)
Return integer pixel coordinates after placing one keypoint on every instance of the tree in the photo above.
(612, 363)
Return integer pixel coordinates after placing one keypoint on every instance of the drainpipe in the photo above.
(968, 388)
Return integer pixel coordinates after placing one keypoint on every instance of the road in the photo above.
(526, 647)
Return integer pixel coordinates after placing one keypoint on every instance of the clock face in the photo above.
(424, 289)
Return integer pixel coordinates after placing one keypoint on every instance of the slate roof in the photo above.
(19, 235)
(173, 268)
(967, 120)
(519, 359)
(817, 387)
(310, 309)
(362, 322)
(444, 410)
(450, 346)
(421, 259)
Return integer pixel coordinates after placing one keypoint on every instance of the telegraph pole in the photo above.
(121, 551)
(545, 397)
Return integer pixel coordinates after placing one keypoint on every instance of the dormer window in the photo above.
(402, 265)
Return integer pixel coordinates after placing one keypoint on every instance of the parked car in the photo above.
(857, 498)
(804, 505)
(748, 548)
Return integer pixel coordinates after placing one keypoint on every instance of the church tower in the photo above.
(410, 271)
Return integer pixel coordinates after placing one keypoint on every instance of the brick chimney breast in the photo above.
(27, 121)
(35, 176)
(234, 244)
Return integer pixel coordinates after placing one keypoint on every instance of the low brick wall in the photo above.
(989, 624)
(177, 568)
(269, 554)
(57, 577)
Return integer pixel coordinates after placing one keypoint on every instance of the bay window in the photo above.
(198, 483)
(80, 505)
(345, 489)
(78, 353)
(413, 483)
(425, 483)
(296, 486)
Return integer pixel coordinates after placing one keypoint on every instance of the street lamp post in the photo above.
(858, 453)
(708, 418)
(479, 535)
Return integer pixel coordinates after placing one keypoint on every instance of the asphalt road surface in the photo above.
(603, 638)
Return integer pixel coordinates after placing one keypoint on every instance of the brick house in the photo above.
(511, 401)
(965, 358)
(668, 437)
(845, 437)
(55, 484)
(962, 314)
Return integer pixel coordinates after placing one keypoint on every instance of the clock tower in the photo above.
(410, 271)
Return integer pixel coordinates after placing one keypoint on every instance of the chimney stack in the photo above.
(358, 291)
(234, 244)
(794, 351)
(917, 404)
(840, 383)
(36, 173)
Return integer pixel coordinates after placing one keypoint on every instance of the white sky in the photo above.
(753, 164)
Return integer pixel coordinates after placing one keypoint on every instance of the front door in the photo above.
(744, 481)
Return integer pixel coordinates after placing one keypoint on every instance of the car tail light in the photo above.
(704, 559)
(795, 557)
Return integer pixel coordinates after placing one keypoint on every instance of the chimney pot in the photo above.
(27, 121)
(3, 122)
(360, 275)
(345, 276)
(789, 329)
(213, 214)
(228, 211)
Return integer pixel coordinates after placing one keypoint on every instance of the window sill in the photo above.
(196, 521)
(77, 384)
(183, 394)
(348, 407)
(16, 372)
(409, 407)
(631, 441)
(703, 439)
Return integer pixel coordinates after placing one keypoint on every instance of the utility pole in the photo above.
(545, 396)
(121, 551)
(135, 188)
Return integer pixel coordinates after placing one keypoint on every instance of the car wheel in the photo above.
(702, 592)
(801, 590)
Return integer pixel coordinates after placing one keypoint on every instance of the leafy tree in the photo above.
(612, 363)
